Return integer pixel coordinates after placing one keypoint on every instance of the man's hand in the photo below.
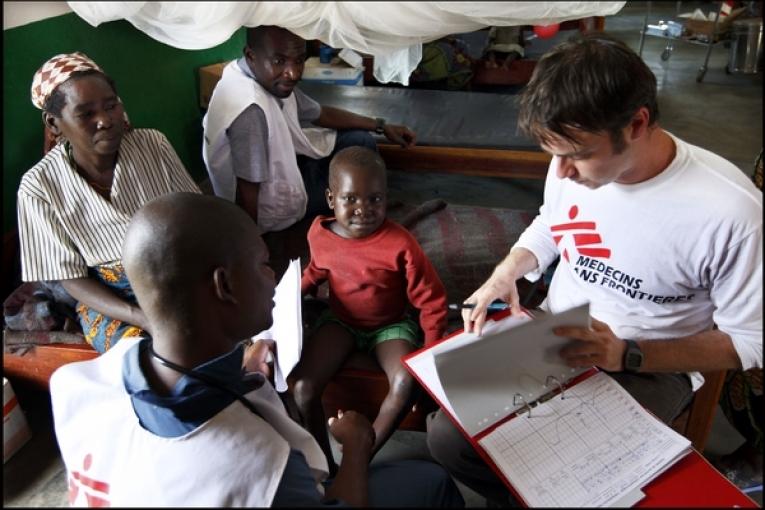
(500, 285)
(593, 346)
(352, 430)
(356, 437)
(255, 358)
(493, 289)
(401, 135)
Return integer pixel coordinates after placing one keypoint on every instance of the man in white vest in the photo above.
(188, 417)
(267, 145)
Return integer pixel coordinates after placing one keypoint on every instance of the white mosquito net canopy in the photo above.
(393, 32)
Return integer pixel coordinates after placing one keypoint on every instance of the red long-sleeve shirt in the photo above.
(372, 278)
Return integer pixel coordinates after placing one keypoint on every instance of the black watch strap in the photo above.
(379, 125)
(633, 357)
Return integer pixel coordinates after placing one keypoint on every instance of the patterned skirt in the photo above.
(742, 403)
(100, 331)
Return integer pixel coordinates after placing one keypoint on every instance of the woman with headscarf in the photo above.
(74, 206)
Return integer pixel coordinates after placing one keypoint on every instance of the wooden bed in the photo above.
(511, 164)
(468, 133)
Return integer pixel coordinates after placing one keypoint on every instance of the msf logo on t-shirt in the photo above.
(94, 492)
(581, 236)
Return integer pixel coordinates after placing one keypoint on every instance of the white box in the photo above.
(15, 428)
(336, 72)
(352, 58)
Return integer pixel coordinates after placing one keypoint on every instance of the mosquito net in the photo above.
(393, 32)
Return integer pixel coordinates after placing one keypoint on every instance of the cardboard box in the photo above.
(704, 28)
(16, 431)
(352, 58)
(336, 72)
(666, 29)
(208, 78)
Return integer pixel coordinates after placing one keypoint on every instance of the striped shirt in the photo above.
(65, 226)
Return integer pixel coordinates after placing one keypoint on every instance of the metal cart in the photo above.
(670, 33)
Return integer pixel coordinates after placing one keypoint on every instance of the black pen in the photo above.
(468, 306)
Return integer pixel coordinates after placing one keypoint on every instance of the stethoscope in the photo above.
(210, 381)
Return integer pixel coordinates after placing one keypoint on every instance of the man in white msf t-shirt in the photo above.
(662, 238)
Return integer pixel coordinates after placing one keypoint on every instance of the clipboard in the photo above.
(534, 433)
(498, 376)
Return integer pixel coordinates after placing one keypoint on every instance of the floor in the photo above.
(722, 114)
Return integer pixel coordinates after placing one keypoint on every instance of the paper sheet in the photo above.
(423, 363)
(481, 380)
(595, 447)
(287, 329)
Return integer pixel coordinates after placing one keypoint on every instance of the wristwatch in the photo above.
(380, 126)
(633, 357)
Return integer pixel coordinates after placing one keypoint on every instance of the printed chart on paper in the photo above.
(590, 448)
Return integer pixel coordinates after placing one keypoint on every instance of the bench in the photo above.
(361, 384)
(467, 133)
(463, 262)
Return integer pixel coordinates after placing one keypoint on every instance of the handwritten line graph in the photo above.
(586, 449)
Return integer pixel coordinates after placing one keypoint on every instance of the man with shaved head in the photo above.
(188, 416)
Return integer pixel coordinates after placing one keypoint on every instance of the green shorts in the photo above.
(366, 341)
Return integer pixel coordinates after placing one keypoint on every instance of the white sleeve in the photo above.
(736, 291)
(537, 238)
(47, 252)
(178, 176)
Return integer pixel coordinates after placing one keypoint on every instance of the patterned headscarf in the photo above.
(56, 71)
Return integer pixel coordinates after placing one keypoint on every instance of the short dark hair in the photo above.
(357, 156)
(594, 83)
(56, 100)
(169, 227)
(255, 35)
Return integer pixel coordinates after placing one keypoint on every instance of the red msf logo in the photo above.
(582, 233)
(95, 492)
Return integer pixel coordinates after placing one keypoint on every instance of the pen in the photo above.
(492, 307)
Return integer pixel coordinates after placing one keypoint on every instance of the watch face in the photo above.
(633, 360)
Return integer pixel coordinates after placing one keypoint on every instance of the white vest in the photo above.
(234, 459)
(282, 200)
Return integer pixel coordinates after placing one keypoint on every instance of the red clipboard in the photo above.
(691, 481)
(694, 482)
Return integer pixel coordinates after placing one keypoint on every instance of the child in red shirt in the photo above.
(374, 268)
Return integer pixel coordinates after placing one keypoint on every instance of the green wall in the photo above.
(157, 83)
